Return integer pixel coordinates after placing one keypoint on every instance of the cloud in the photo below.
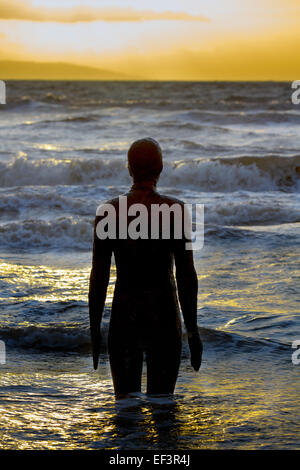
(10, 49)
(19, 10)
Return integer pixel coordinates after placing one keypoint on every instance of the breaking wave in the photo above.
(60, 233)
(270, 173)
(77, 338)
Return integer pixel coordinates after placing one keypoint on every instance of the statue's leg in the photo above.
(163, 362)
(126, 368)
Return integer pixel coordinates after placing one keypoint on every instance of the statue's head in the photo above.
(145, 160)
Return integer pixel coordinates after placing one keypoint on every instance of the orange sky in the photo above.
(178, 39)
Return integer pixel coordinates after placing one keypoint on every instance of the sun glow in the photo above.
(188, 40)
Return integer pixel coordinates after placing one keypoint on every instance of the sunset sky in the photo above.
(157, 39)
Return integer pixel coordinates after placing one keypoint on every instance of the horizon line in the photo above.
(268, 80)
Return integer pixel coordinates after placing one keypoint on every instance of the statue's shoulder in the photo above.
(170, 200)
(109, 202)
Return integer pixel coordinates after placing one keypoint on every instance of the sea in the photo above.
(233, 147)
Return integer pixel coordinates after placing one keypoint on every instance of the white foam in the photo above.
(203, 175)
(60, 233)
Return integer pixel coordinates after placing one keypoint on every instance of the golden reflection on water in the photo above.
(66, 405)
(73, 410)
(45, 146)
(223, 283)
(254, 283)
(46, 283)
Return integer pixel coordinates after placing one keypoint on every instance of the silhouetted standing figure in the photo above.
(145, 315)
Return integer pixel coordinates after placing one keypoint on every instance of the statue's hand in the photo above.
(196, 349)
(96, 343)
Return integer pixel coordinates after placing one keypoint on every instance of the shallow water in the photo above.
(237, 401)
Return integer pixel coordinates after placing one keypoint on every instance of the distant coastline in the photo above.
(63, 71)
(23, 70)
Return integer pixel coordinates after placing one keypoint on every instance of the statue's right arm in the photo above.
(99, 279)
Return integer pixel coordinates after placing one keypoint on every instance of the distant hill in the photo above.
(12, 70)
